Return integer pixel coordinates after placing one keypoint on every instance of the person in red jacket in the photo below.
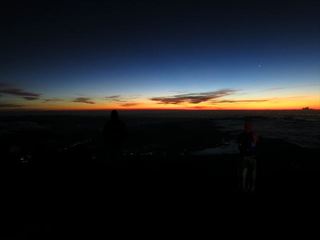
(248, 141)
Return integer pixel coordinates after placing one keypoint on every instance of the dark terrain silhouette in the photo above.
(53, 177)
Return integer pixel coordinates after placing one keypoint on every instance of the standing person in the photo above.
(247, 141)
(114, 134)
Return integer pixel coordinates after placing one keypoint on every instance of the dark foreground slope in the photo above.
(88, 198)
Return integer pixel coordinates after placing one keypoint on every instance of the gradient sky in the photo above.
(159, 55)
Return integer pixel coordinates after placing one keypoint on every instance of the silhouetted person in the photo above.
(114, 134)
(247, 146)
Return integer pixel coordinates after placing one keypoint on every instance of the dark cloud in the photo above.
(84, 100)
(6, 89)
(19, 92)
(31, 98)
(129, 104)
(194, 98)
(10, 105)
(239, 101)
(119, 98)
(112, 97)
(52, 100)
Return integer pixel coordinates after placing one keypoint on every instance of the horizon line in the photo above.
(153, 109)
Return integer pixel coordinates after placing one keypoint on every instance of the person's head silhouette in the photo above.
(114, 116)
(248, 127)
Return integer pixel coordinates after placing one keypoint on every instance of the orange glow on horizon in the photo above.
(284, 103)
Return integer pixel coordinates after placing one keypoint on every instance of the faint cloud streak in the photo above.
(6, 89)
(193, 98)
(31, 98)
(112, 97)
(129, 104)
(52, 100)
(83, 100)
(10, 105)
(240, 101)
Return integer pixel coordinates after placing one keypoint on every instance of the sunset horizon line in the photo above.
(157, 109)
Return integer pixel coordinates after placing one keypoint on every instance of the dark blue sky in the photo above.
(139, 50)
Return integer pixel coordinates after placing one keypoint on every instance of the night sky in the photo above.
(159, 55)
